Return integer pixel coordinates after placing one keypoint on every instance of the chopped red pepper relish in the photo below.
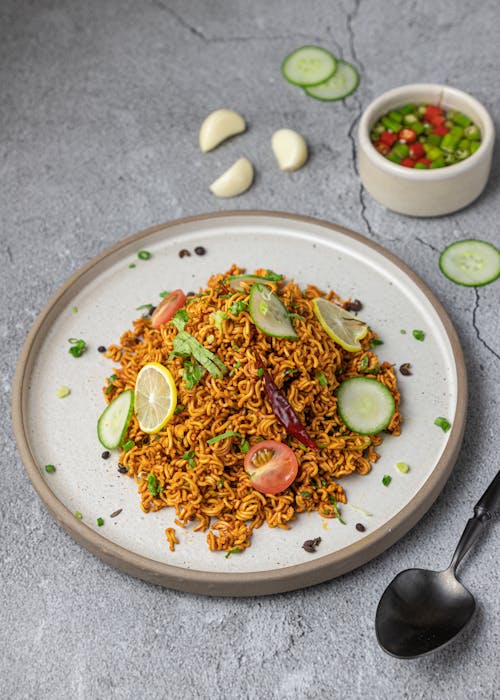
(425, 136)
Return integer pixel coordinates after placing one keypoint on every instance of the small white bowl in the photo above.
(425, 192)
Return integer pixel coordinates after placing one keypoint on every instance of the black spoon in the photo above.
(420, 610)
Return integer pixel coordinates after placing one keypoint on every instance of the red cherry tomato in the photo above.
(167, 308)
(272, 466)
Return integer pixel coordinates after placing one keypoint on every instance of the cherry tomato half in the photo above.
(272, 466)
(167, 308)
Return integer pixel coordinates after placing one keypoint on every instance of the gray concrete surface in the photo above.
(100, 104)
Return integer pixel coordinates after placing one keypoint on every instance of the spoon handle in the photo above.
(483, 510)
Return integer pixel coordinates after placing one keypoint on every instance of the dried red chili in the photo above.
(283, 411)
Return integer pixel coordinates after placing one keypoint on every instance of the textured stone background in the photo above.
(100, 105)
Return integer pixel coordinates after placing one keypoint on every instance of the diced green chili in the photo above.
(442, 423)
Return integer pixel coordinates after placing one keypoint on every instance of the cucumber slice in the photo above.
(269, 314)
(309, 65)
(365, 405)
(471, 263)
(114, 420)
(341, 84)
(236, 280)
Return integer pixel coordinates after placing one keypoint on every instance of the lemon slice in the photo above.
(155, 397)
(343, 327)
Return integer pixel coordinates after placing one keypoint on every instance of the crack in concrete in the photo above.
(350, 18)
(9, 254)
(429, 245)
(478, 335)
(226, 39)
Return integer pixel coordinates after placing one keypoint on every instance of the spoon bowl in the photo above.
(421, 611)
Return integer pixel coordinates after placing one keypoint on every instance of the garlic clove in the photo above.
(218, 127)
(235, 180)
(290, 149)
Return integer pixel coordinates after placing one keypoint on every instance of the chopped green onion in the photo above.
(78, 515)
(63, 391)
(189, 457)
(305, 494)
(442, 423)
(418, 335)
(402, 467)
(238, 306)
(144, 255)
(322, 380)
(364, 363)
(127, 445)
(78, 346)
(50, 468)
(74, 309)
(131, 266)
(164, 294)
(386, 479)
(153, 485)
(223, 436)
(236, 550)
(100, 522)
(273, 277)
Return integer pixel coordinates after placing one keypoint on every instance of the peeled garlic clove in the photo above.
(219, 126)
(289, 148)
(234, 181)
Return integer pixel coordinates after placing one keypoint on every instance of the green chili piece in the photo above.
(472, 132)
(401, 150)
(391, 124)
(100, 522)
(418, 335)
(396, 116)
(442, 423)
(50, 468)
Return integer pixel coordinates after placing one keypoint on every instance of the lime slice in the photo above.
(155, 397)
(343, 327)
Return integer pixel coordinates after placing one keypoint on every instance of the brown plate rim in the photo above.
(245, 583)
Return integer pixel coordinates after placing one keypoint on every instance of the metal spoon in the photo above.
(420, 610)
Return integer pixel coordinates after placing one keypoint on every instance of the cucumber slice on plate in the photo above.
(471, 263)
(341, 84)
(114, 420)
(309, 65)
(365, 405)
(269, 314)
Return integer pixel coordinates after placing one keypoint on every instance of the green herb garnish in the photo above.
(418, 335)
(145, 306)
(153, 485)
(223, 436)
(127, 445)
(193, 372)
(100, 522)
(218, 317)
(180, 319)
(442, 423)
(245, 446)
(238, 306)
(260, 372)
(305, 494)
(273, 277)
(78, 346)
(185, 345)
(164, 294)
(364, 363)
(50, 468)
(376, 341)
(236, 550)
(189, 457)
(144, 255)
(386, 479)
(323, 381)
(336, 509)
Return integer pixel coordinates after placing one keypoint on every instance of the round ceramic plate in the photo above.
(99, 302)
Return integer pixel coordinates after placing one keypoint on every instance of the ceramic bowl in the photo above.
(425, 192)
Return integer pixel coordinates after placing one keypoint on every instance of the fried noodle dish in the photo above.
(248, 385)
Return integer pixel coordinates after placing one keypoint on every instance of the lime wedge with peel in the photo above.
(155, 397)
(342, 326)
